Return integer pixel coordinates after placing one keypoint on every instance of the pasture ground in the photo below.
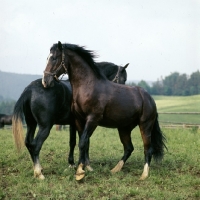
(177, 177)
(178, 104)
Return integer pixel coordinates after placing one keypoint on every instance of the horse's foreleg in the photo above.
(72, 144)
(90, 126)
(125, 137)
(37, 168)
(87, 159)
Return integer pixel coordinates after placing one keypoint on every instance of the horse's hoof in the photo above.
(143, 178)
(89, 168)
(145, 172)
(118, 167)
(72, 166)
(41, 177)
(80, 176)
(80, 173)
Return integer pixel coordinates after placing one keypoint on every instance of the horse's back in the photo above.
(54, 102)
(46, 104)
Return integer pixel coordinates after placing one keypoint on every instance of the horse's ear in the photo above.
(126, 66)
(60, 46)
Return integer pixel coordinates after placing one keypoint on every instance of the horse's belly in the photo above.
(117, 122)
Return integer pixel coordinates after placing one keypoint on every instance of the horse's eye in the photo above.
(53, 58)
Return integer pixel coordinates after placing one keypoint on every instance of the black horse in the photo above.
(46, 107)
(97, 101)
(5, 120)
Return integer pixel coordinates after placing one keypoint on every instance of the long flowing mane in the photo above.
(87, 55)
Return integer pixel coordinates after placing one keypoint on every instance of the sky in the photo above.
(157, 37)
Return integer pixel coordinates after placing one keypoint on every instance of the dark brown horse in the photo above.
(97, 101)
(44, 107)
(5, 120)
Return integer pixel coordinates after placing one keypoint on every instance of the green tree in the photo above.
(145, 85)
(157, 88)
(181, 86)
(7, 107)
(169, 83)
(194, 83)
(131, 83)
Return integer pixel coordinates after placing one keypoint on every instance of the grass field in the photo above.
(178, 104)
(177, 177)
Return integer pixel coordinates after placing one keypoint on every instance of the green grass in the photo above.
(178, 104)
(177, 177)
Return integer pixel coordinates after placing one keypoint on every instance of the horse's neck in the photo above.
(80, 73)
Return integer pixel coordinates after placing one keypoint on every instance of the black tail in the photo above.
(158, 141)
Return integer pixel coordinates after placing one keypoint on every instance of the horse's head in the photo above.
(55, 65)
(121, 75)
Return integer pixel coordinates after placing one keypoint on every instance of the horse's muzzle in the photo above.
(48, 81)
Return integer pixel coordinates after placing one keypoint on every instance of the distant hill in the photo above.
(12, 84)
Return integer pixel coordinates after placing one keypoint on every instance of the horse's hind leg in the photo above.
(34, 144)
(37, 143)
(125, 137)
(29, 137)
(29, 142)
(148, 151)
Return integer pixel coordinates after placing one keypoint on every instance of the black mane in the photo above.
(87, 55)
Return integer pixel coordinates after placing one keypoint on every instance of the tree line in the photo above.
(7, 106)
(174, 85)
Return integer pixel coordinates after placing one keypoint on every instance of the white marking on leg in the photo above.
(118, 167)
(80, 173)
(145, 172)
(38, 171)
(89, 168)
(72, 166)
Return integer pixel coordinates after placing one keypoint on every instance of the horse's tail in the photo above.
(158, 141)
(17, 126)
